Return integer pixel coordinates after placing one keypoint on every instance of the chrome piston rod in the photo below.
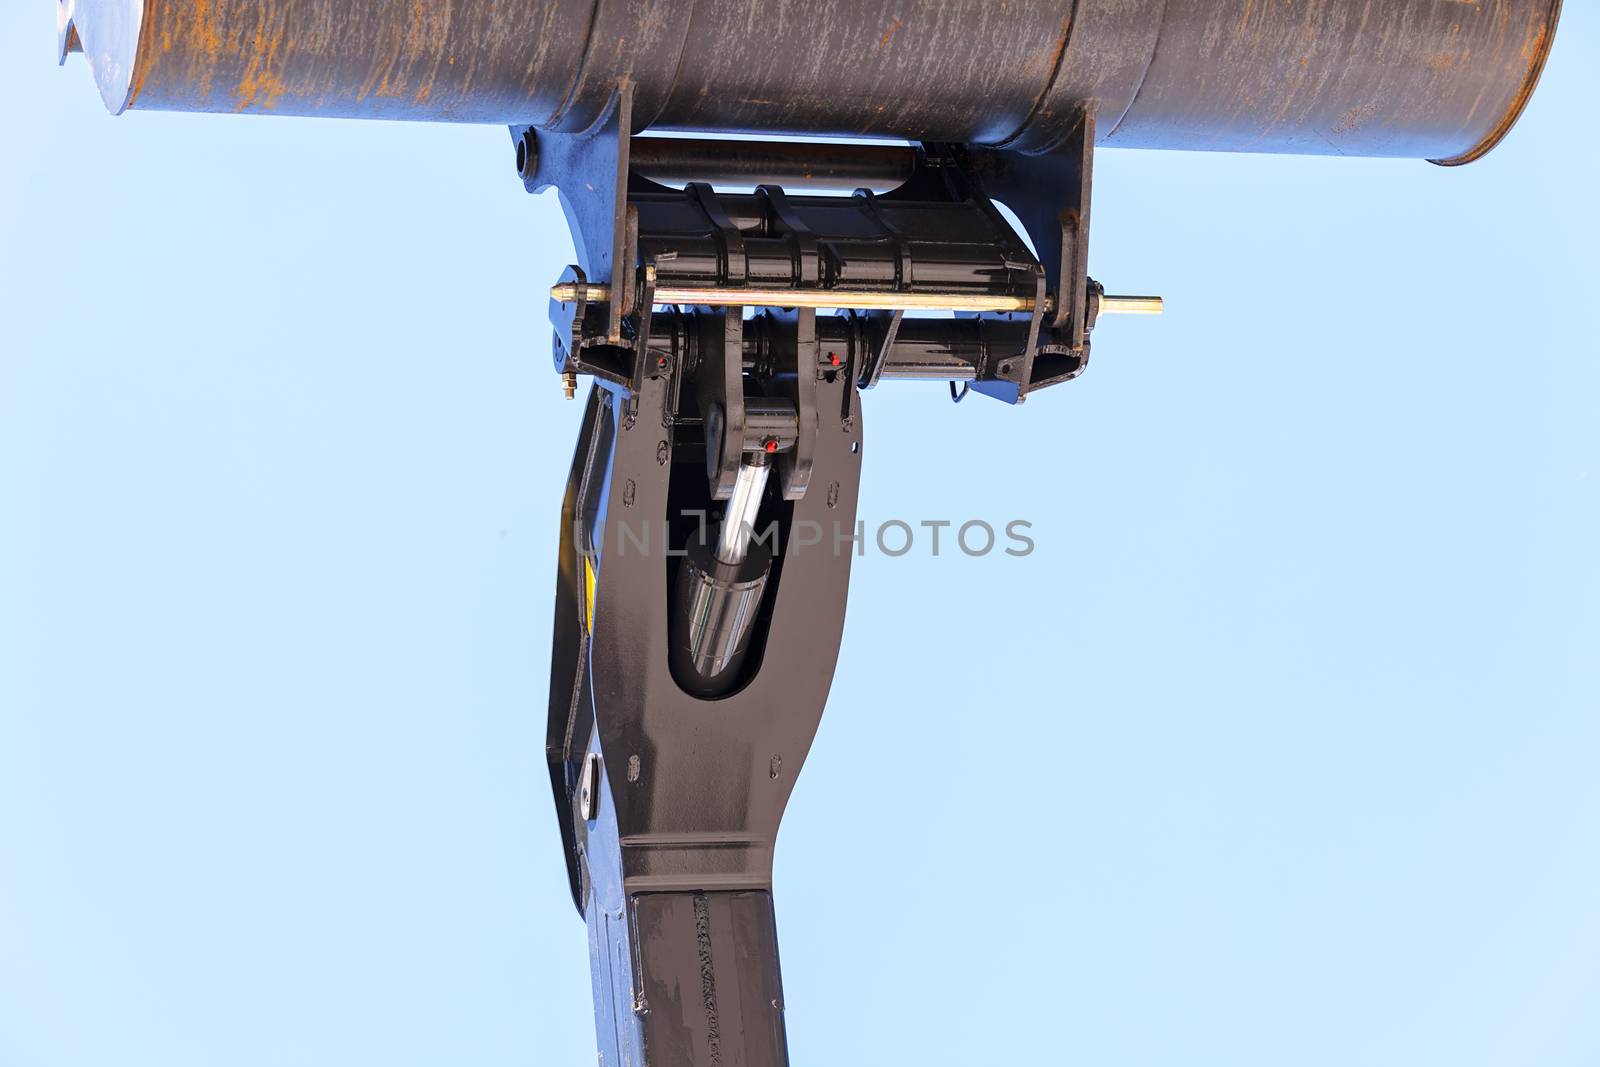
(739, 518)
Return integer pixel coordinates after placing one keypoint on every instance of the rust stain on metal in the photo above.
(1355, 118)
(262, 84)
(888, 35)
(1535, 51)
(1042, 109)
(377, 78)
(141, 71)
(1535, 43)
(426, 36)
(205, 30)
(1061, 45)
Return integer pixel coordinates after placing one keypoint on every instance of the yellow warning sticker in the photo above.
(588, 594)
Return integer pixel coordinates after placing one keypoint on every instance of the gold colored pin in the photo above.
(856, 300)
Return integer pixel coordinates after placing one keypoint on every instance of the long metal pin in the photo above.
(857, 300)
(739, 518)
(1131, 305)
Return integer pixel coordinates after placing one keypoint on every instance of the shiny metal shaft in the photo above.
(739, 519)
(1131, 305)
(859, 300)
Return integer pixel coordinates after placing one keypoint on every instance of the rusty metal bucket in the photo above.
(1435, 79)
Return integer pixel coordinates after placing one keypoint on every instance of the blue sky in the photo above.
(1280, 748)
